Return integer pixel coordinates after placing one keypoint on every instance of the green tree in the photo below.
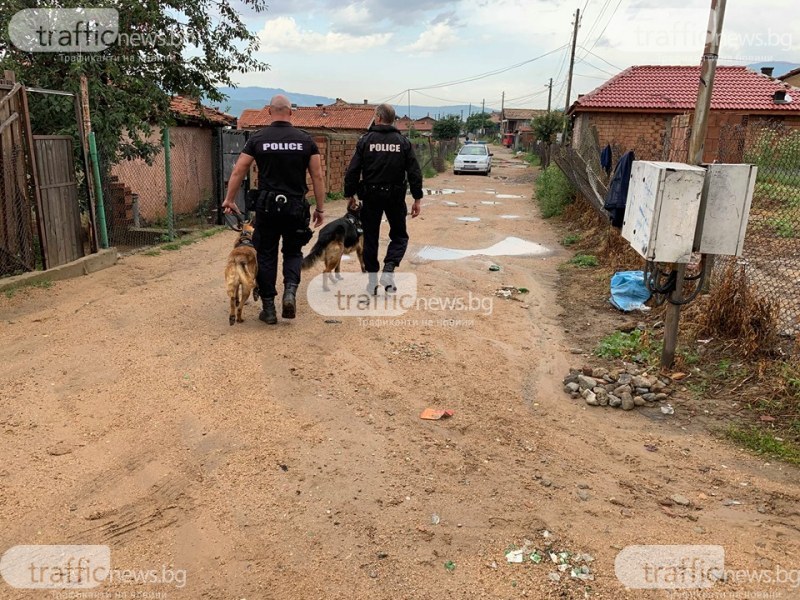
(547, 125)
(447, 128)
(187, 47)
(478, 121)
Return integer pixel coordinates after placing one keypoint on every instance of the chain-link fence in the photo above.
(434, 154)
(144, 206)
(772, 244)
(17, 240)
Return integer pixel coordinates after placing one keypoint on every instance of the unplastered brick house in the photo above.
(334, 127)
(648, 108)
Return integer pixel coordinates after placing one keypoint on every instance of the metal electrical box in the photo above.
(662, 209)
(725, 209)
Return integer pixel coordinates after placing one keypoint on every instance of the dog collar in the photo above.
(246, 242)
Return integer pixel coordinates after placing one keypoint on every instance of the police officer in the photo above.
(377, 173)
(283, 154)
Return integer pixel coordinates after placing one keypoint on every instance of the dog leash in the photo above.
(234, 221)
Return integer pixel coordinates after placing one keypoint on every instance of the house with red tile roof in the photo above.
(513, 120)
(193, 166)
(190, 111)
(635, 109)
(336, 118)
(792, 77)
(423, 126)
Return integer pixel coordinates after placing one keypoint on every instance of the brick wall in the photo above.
(644, 133)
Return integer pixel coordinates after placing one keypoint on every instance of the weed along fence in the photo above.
(770, 253)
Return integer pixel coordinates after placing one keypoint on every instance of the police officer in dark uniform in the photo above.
(283, 154)
(383, 159)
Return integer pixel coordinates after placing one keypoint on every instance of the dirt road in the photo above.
(290, 462)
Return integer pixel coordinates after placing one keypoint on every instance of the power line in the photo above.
(601, 58)
(586, 62)
(611, 18)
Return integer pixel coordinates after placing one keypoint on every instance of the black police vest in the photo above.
(282, 154)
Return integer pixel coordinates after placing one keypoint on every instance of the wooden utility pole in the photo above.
(572, 62)
(549, 94)
(708, 67)
(84, 121)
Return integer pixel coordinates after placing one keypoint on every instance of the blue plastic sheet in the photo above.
(628, 291)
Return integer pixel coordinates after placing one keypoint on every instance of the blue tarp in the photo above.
(628, 291)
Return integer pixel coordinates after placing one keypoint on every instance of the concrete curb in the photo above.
(83, 266)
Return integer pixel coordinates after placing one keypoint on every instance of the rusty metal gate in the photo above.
(228, 144)
(60, 217)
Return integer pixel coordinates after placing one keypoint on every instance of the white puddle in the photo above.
(470, 219)
(509, 216)
(431, 192)
(490, 202)
(511, 246)
(446, 203)
(507, 196)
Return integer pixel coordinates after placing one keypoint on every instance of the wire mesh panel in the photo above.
(17, 253)
(772, 244)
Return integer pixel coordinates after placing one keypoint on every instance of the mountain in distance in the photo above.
(242, 98)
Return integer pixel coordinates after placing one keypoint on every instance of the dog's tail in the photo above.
(324, 238)
(242, 273)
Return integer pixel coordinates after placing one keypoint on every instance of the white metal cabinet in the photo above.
(725, 211)
(662, 209)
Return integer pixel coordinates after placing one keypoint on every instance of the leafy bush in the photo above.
(553, 191)
(546, 126)
(447, 128)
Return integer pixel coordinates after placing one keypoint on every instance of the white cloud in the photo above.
(283, 33)
(436, 38)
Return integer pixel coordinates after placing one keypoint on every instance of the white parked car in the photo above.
(473, 158)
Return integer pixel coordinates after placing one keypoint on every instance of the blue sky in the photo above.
(376, 49)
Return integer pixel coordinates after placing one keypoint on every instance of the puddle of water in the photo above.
(511, 246)
(507, 196)
(431, 192)
(470, 219)
(490, 202)
(509, 216)
(446, 203)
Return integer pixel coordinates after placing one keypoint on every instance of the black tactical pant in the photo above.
(392, 203)
(269, 230)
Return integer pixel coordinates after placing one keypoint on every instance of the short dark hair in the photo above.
(385, 112)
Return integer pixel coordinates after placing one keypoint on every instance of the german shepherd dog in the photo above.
(337, 238)
(240, 273)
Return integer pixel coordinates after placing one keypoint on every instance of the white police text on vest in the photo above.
(384, 147)
(282, 146)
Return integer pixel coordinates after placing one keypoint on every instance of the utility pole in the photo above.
(571, 67)
(483, 106)
(409, 105)
(549, 94)
(708, 67)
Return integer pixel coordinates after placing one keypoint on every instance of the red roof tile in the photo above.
(423, 124)
(192, 110)
(522, 114)
(356, 117)
(674, 88)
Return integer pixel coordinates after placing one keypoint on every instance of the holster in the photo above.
(274, 204)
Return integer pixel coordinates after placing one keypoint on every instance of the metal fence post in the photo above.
(168, 175)
(98, 192)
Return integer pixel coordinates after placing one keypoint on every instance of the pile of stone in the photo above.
(618, 388)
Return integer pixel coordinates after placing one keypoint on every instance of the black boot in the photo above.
(268, 314)
(387, 278)
(289, 301)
